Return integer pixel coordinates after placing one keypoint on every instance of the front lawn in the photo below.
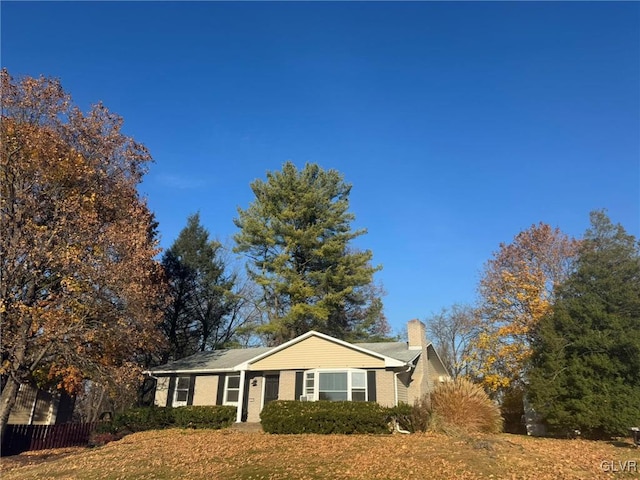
(228, 454)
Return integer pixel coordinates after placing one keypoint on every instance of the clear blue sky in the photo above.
(458, 124)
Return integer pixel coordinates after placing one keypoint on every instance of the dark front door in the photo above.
(271, 387)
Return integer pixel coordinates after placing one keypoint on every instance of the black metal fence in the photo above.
(22, 438)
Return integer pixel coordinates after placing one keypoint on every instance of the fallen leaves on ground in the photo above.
(228, 454)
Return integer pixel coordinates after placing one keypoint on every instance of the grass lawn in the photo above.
(229, 454)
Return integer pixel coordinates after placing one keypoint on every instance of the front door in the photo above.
(271, 387)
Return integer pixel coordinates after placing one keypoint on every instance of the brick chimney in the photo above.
(417, 334)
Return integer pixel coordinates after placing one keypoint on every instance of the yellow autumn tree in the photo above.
(516, 291)
(79, 286)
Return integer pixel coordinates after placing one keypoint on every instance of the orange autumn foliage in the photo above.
(516, 291)
(79, 286)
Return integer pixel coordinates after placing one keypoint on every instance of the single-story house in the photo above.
(39, 407)
(311, 367)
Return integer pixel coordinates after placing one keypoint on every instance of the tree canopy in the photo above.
(206, 308)
(297, 236)
(516, 291)
(585, 371)
(452, 332)
(79, 288)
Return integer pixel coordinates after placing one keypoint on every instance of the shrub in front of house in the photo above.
(291, 417)
(156, 418)
(215, 417)
(141, 419)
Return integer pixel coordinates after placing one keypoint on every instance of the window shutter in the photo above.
(371, 386)
(192, 386)
(299, 385)
(220, 395)
(171, 391)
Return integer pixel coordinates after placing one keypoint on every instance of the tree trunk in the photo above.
(8, 400)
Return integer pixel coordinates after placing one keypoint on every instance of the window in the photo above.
(309, 386)
(333, 386)
(181, 392)
(358, 386)
(336, 385)
(232, 389)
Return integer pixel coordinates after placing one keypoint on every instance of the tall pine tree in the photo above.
(200, 314)
(297, 235)
(586, 363)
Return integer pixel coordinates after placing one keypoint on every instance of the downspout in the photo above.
(240, 397)
(395, 384)
(397, 425)
(395, 389)
(399, 430)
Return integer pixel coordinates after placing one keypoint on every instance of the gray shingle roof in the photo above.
(216, 360)
(397, 350)
(227, 359)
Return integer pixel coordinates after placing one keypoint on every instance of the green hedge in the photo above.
(324, 417)
(204, 417)
(156, 418)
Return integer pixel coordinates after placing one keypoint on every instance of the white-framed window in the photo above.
(336, 385)
(231, 389)
(309, 385)
(181, 392)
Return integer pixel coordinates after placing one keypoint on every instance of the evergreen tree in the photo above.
(199, 316)
(586, 364)
(297, 235)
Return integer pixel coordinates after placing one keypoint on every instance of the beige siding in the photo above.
(162, 387)
(254, 397)
(206, 390)
(314, 352)
(21, 412)
(287, 387)
(436, 369)
(403, 379)
(45, 409)
(414, 391)
(385, 389)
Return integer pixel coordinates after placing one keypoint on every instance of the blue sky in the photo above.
(458, 124)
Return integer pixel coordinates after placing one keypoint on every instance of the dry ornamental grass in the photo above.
(462, 405)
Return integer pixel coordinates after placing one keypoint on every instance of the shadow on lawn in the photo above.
(622, 444)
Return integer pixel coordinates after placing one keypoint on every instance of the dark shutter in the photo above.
(192, 386)
(299, 384)
(371, 386)
(220, 395)
(171, 391)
